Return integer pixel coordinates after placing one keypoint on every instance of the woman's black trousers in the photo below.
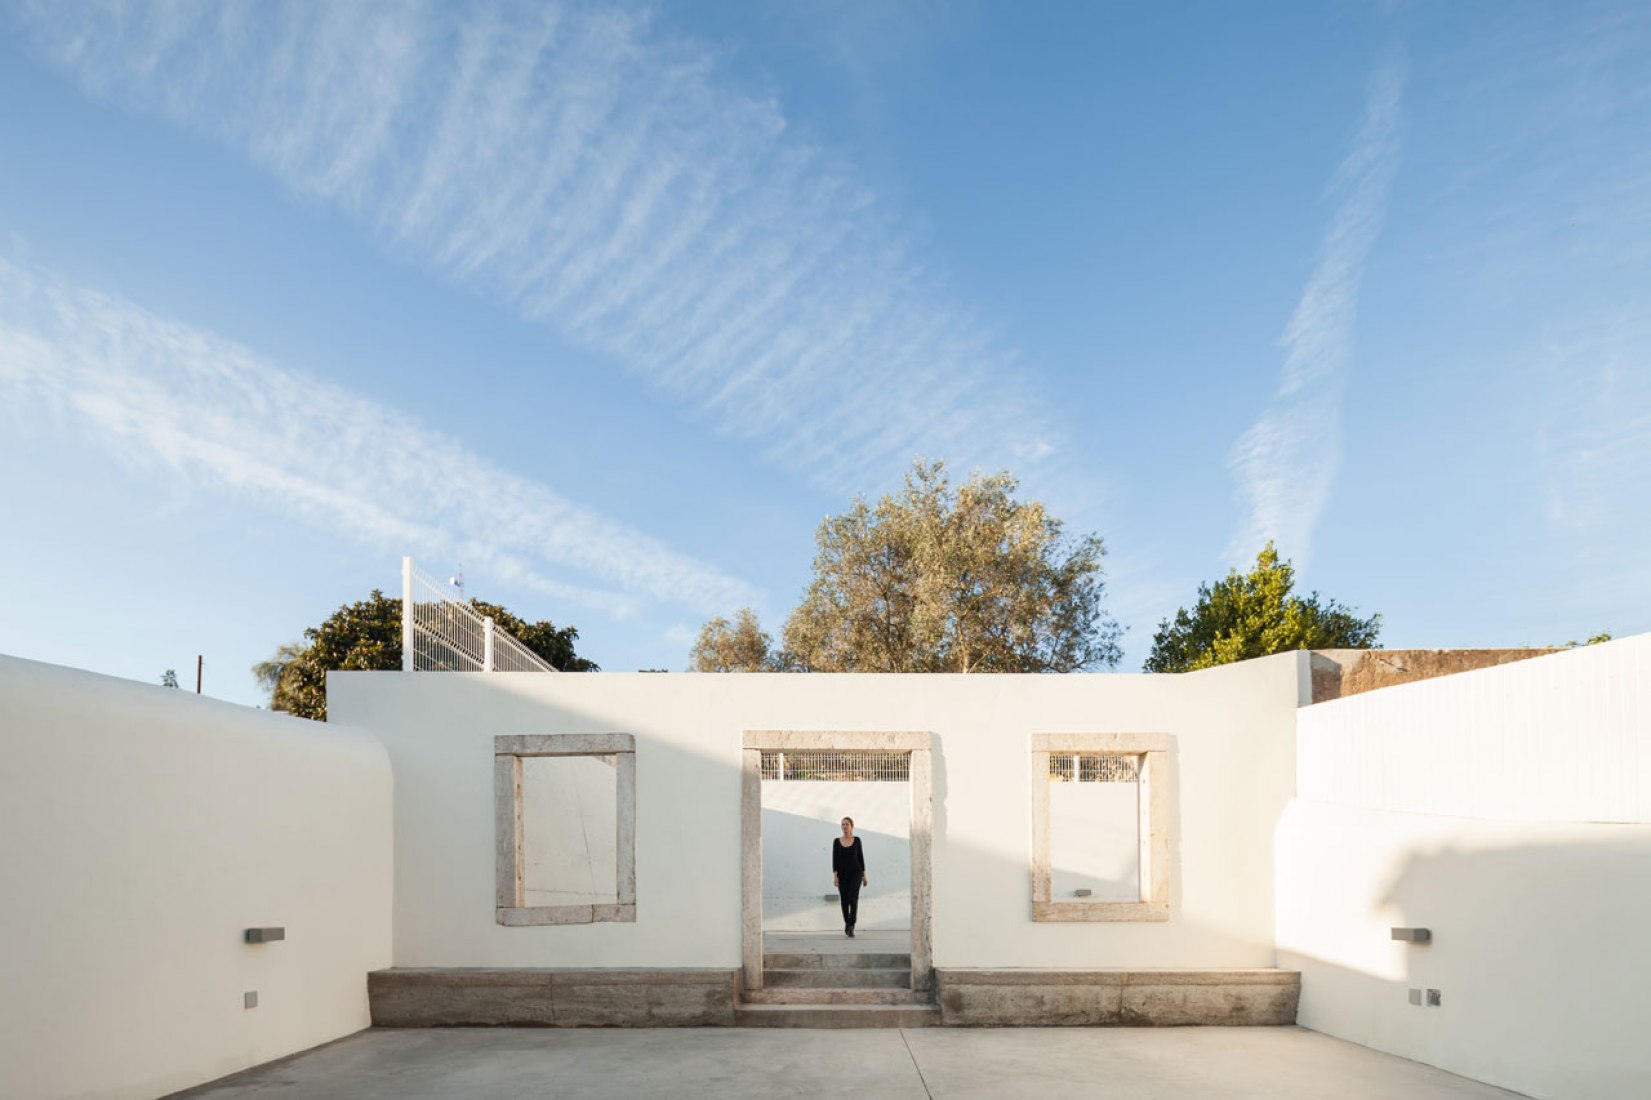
(849, 893)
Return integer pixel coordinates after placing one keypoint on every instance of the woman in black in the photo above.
(848, 872)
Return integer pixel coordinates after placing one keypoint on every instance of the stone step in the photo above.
(837, 996)
(883, 978)
(836, 1016)
(817, 960)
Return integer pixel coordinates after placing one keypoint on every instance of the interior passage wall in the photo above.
(142, 830)
(1539, 948)
(570, 835)
(1231, 764)
(1095, 841)
(801, 819)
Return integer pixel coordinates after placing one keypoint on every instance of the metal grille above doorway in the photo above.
(1106, 767)
(837, 767)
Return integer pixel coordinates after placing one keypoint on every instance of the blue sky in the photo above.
(614, 302)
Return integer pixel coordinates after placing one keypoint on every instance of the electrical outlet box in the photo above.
(1415, 996)
(1434, 999)
(265, 935)
(249, 999)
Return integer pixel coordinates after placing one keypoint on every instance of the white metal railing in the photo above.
(836, 766)
(440, 634)
(1104, 767)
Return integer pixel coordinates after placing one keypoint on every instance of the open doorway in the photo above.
(805, 796)
(796, 787)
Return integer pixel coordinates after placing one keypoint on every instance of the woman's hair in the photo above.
(850, 820)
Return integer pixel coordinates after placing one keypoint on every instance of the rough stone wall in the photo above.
(1340, 672)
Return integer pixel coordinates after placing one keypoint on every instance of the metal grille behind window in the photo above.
(1087, 767)
(837, 767)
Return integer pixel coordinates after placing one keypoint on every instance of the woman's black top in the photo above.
(847, 861)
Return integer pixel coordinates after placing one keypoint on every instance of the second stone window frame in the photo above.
(565, 824)
(1114, 765)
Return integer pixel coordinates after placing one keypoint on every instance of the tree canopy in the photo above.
(366, 635)
(936, 578)
(553, 643)
(1252, 615)
(741, 645)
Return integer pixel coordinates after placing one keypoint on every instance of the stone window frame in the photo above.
(509, 751)
(1153, 825)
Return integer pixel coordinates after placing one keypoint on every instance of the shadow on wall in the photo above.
(796, 875)
(1540, 954)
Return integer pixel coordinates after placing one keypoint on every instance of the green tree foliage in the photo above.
(937, 578)
(169, 678)
(1252, 615)
(738, 646)
(1597, 639)
(268, 672)
(360, 636)
(367, 636)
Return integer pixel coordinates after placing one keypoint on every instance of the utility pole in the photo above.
(198, 663)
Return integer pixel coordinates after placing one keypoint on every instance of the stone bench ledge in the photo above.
(1118, 977)
(552, 997)
(1097, 997)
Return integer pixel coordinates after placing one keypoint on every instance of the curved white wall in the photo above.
(142, 830)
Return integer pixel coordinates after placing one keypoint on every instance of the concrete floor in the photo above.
(835, 943)
(1263, 1063)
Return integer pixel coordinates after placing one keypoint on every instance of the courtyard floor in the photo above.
(869, 941)
(1264, 1063)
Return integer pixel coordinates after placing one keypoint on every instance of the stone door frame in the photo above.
(918, 745)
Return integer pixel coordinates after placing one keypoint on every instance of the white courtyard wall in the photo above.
(1555, 738)
(142, 830)
(1503, 809)
(1231, 764)
(801, 819)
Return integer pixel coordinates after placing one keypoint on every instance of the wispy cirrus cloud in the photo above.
(604, 177)
(158, 389)
(1286, 462)
(1594, 440)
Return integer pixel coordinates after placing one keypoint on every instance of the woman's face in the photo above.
(848, 827)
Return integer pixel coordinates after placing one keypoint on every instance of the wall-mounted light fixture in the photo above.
(265, 935)
(1413, 935)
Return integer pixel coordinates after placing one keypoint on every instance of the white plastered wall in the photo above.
(142, 830)
(1232, 759)
(1507, 811)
